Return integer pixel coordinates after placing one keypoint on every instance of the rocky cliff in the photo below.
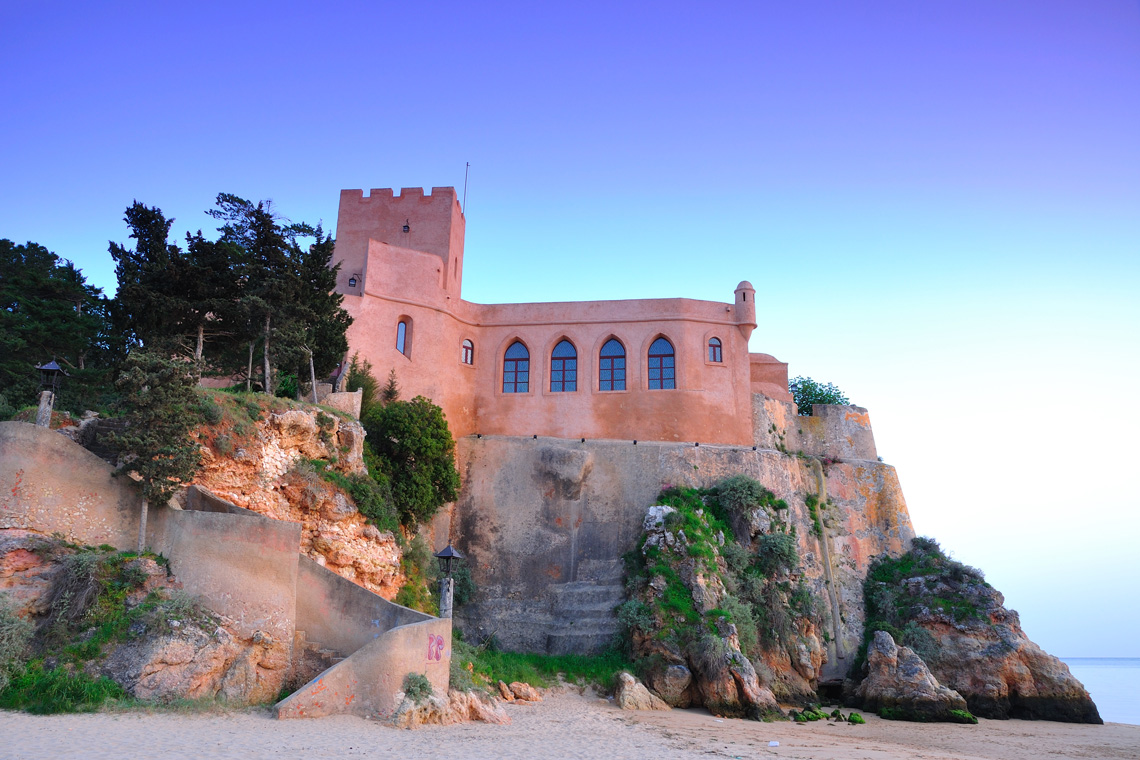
(262, 463)
(545, 523)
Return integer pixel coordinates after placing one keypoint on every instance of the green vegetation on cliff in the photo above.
(98, 599)
(923, 582)
(806, 392)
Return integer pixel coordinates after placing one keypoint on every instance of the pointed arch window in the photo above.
(468, 355)
(516, 369)
(564, 368)
(403, 342)
(662, 369)
(611, 366)
(715, 350)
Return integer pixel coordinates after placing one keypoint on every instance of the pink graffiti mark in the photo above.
(16, 487)
(435, 647)
(318, 688)
(349, 698)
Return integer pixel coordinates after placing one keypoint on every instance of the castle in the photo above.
(669, 369)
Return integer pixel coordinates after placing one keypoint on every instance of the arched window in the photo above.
(403, 345)
(516, 369)
(662, 374)
(715, 354)
(611, 366)
(468, 352)
(564, 368)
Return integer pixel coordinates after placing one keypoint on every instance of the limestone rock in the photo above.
(458, 707)
(898, 679)
(505, 692)
(1002, 674)
(191, 663)
(671, 683)
(729, 687)
(524, 692)
(631, 694)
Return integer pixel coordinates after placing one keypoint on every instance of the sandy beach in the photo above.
(564, 725)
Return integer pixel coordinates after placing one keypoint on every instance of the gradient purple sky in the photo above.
(938, 204)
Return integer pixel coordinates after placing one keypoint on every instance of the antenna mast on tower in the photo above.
(465, 172)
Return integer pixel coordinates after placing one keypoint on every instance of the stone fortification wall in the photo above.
(50, 482)
(545, 522)
(832, 431)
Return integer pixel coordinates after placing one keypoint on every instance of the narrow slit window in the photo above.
(564, 368)
(611, 366)
(662, 369)
(715, 350)
(402, 337)
(468, 352)
(516, 369)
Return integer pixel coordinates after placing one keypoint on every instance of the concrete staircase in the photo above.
(310, 659)
(583, 611)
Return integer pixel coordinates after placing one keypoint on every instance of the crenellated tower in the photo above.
(429, 223)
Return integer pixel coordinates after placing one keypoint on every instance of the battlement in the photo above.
(427, 222)
(388, 195)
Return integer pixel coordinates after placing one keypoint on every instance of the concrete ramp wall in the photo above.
(245, 566)
(370, 682)
(53, 485)
(341, 615)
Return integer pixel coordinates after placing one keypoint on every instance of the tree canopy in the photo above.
(806, 392)
(256, 287)
(417, 453)
(47, 310)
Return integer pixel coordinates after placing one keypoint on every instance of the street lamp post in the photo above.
(446, 583)
(51, 375)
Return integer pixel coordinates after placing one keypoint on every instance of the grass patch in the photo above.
(485, 666)
(41, 691)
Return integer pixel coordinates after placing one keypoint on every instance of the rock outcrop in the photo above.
(961, 628)
(898, 681)
(631, 694)
(266, 470)
(458, 707)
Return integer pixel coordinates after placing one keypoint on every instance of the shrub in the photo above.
(15, 635)
(417, 687)
(210, 410)
(464, 584)
(360, 377)
(161, 408)
(776, 553)
(420, 569)
(740, 493)
(806, 392)
(417, 453)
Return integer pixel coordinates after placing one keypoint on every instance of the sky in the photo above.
(938, 204)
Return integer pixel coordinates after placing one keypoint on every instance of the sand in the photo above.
(564, 725)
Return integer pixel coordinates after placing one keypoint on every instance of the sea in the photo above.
(1113, 684)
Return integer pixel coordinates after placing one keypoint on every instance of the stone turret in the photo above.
(746, 308)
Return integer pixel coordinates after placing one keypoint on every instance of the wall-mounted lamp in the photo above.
(407, 228)
(352, 281)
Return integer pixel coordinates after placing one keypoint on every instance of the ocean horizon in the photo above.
(1111, 682)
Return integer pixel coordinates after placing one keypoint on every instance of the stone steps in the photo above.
(583, 614)
(601, 571)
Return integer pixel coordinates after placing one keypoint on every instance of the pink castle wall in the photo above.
(417, 276)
